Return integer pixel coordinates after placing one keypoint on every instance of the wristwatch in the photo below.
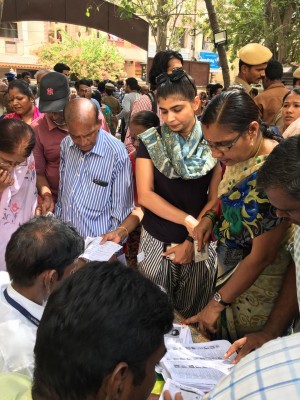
(218, 299)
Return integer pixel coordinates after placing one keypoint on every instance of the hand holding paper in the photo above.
(94, 251)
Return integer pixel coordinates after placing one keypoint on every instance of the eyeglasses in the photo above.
(7, 163)
(176, 75)
(223, 146)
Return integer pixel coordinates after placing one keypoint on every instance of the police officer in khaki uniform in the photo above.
(253, 62)
(296, 77)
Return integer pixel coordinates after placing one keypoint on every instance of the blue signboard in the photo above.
(212, 58)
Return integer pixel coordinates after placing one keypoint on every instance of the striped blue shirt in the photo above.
(91, 208)
(269, 373)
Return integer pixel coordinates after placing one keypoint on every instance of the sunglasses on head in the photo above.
(176, 75)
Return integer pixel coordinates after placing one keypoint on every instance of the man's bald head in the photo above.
(81, 116)
(81, 110)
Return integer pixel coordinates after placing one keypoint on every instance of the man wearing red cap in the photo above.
(50, 130)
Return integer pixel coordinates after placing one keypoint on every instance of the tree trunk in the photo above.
(286, 30)
(268, 25)
(161, 38)
(214, 24)
(1, 9)
(162, 26)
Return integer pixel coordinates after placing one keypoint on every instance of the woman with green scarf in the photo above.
(177, 183)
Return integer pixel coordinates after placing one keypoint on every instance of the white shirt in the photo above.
(127, 104)
(17, 333)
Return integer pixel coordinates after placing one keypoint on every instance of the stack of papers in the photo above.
(195, 365)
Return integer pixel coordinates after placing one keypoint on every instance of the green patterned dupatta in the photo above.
(176, 156)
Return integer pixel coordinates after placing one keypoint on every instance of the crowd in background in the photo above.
(200, 189)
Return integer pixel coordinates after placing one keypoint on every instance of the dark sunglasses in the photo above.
(176, 75)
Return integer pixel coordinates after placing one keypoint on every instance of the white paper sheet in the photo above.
(213, 350)
(96, 252)
(187, 392)
(196, 374)
(179, 334)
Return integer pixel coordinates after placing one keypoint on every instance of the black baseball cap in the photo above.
(54, 92)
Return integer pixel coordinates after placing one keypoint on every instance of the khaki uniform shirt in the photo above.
(269, 102)
(241, 82)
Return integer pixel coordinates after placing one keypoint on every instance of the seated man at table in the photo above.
(39, 254)
(99, 338)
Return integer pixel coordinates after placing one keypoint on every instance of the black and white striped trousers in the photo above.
(189, 286)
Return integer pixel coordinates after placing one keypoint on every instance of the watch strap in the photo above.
(218, 299)
(190, 239)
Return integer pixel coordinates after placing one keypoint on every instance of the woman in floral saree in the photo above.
(252, 251)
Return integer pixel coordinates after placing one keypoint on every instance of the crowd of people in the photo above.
(202, 191)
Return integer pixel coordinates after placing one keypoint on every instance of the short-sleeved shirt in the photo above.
(47, 150)
(17, 333)
(271, 372)
(95, 188)
(15, 386)
(189, 195)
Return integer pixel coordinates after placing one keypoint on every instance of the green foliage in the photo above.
(167, 18)
(87, 57)
(275, 23)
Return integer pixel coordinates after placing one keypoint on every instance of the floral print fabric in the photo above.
(247, 214)
(17, 203)
(246, 211)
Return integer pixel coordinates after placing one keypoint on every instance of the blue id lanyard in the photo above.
(21, 309)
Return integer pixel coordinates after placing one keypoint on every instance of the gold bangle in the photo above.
(123, 227)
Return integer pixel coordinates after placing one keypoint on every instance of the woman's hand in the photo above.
(245, 345)
(47, 203)
(5, 179)
(202, 232)
(115, 236)
(181, 254)
(207, 318)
